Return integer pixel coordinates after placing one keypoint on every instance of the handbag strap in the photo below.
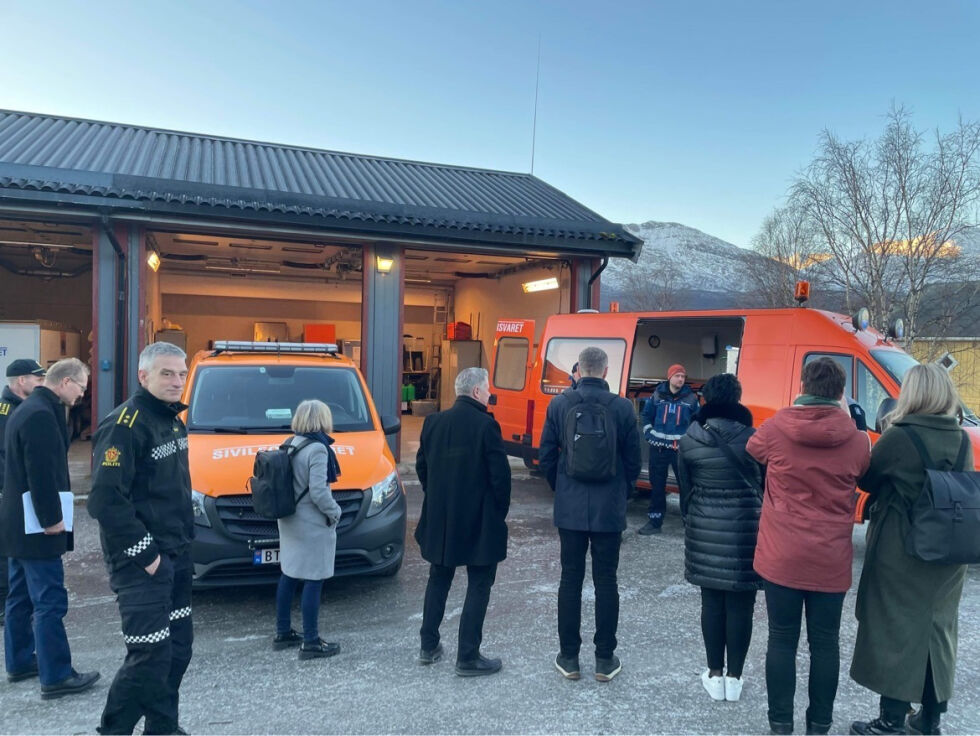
(723, 446)
(920, 447)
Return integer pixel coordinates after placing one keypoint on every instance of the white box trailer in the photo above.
(45, 342)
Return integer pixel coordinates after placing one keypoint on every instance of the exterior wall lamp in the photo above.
(384, 264)
(153, 260)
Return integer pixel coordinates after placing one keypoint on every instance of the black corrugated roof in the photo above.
(42, 156)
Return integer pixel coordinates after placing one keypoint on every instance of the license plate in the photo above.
(265, 557)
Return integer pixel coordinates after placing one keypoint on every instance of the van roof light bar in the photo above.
(247, 346)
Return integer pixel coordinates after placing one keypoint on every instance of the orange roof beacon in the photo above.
(241, 397)
(765, 348)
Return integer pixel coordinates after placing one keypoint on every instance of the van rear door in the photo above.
(510, 378)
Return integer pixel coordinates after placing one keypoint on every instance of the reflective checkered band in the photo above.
(180, 613)
(155, 638)
(140, 546)
(169, 448)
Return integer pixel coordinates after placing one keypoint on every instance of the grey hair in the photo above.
(469, 378)
(312, 415)
(71, 368)
(592, 362)
(157, 350)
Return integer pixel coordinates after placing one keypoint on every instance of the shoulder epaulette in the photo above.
(127, 416)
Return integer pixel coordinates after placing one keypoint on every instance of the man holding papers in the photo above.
(36, 445)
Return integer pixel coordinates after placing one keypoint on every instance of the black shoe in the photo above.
(477, 667)
(879, 725)
(607, 668)
(430, 656)
(778, 727)
(649, 528)
(318, 649)
(918, 724)
(77, 682)
(817, 728)
(27, 674)
(287, 640)
(568, 666)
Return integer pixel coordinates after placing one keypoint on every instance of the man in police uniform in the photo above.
(23, 376)
(141, 497)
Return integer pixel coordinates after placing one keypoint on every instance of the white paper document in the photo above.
(33, 526)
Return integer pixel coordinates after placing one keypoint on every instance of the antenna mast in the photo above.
(534, 125)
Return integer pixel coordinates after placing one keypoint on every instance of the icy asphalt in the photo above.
(237, 684)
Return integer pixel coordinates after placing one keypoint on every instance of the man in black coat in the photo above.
(465, 475)
(36, 475)
(590, 505)
(23, 376)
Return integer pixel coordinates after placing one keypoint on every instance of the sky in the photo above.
(697, 112)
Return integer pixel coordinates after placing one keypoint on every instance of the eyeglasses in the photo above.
(83, 386)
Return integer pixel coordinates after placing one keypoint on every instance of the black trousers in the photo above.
(823, 610)
(726, 623)
(660, 459)
(158, 632)
(605, 563)
(479, 581)
(932, 709)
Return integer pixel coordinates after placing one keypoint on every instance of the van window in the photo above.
(562, 354)
(510, 365)
(895, 362)
(255, 398)
(844, 361)
(870, 392)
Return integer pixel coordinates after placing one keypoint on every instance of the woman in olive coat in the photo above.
(907, 609)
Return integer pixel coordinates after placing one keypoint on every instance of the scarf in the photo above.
(333, 467)
(811, 400)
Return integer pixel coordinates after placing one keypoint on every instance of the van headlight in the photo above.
(382, 493)
(200, 512)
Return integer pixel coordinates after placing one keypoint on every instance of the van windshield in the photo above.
(895, 362)
(263, 398)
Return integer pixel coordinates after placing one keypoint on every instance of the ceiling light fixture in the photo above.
(530, 287)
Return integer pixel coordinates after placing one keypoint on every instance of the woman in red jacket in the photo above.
(814, 456)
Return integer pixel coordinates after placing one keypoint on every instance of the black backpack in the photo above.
(272, 481)
(945, 517)
(589, 438)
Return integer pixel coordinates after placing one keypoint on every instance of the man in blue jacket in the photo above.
(590, 454)
(666, 416)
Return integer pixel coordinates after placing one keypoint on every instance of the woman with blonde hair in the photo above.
(907, 609)
(308, 538)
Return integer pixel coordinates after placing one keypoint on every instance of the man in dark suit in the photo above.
(23, 376)
(466, 479)
(37, 470)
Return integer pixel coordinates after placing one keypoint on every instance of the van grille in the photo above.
(241, 521)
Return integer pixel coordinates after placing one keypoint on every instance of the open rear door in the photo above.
(510, 377)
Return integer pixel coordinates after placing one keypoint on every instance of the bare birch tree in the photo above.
(890, 211)
(784, 251)
(655, 288)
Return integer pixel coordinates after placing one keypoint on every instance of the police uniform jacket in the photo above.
(37, 461)
(8, 402)
(141, 485)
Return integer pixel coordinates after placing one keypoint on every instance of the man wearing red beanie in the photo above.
(666, 416)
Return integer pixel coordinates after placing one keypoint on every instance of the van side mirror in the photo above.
(390, 424)
(884, 408)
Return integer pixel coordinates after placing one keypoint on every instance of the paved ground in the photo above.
(238, 684)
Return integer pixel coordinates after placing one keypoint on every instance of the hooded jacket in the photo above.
(719, 504)
(814, 456)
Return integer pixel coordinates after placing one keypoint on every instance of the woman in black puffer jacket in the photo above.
(721, 499)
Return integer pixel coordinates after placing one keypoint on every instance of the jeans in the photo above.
(895, 710)
(4, 582)
(660, 459)
(158, 630)
(37, 587)
(309, 605)
(605, 562)
(479, 581)
(823, 611)
(726, 623)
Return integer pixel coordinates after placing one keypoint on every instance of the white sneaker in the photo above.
(733, 688)
(714, 685)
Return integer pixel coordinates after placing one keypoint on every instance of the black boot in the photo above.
(922, 722)
(817, 728)
(880, 725)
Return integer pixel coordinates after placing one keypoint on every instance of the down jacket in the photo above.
(720, 509)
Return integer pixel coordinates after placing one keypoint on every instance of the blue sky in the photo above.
(692, 112)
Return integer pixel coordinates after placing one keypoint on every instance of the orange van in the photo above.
(765, 348)
(241, 397)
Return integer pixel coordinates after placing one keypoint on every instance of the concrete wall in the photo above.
(481, 302)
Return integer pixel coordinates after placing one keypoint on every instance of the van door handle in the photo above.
(516, 437)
